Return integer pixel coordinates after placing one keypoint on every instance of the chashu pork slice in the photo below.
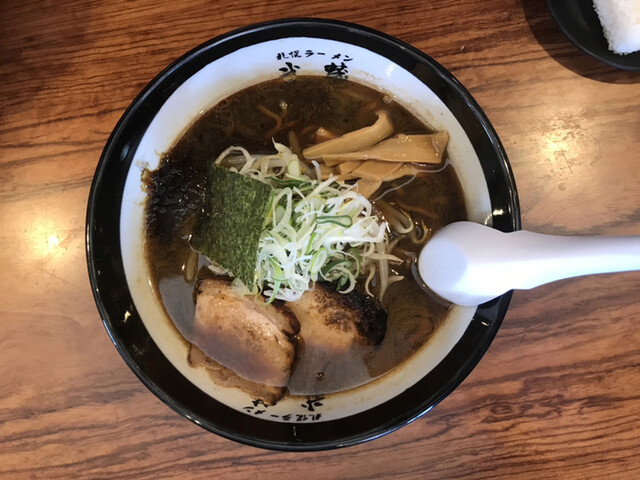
(226, 378)
(336, 320)
(335, 330)
(252, 339)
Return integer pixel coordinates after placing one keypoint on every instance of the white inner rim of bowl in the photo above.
(218, 80)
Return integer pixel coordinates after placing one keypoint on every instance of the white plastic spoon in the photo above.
(469, 264)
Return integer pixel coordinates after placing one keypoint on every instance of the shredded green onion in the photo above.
(315, 230)
(342, 220)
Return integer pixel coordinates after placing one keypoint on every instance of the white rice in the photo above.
(620, 21)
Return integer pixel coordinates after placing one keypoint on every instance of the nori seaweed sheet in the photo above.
(234, 214)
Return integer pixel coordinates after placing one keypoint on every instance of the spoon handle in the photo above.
(468, 263)
(538, 258)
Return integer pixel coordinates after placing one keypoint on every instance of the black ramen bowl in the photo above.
(154, 121)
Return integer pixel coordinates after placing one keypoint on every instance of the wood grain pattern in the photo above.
(556, 396)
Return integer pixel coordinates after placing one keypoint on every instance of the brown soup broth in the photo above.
(175, 192)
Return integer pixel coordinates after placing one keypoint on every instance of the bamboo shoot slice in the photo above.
(375, 170)
(427, 148)
(348, 167)
(366, 188)
(403, 171)
(353, 141)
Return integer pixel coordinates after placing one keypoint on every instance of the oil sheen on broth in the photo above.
(176, 194)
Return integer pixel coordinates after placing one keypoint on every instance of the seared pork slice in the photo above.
(252, 339)
(335, 330)
(226, 378)
(339, 320)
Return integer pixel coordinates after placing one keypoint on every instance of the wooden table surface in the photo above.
(557, 394)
